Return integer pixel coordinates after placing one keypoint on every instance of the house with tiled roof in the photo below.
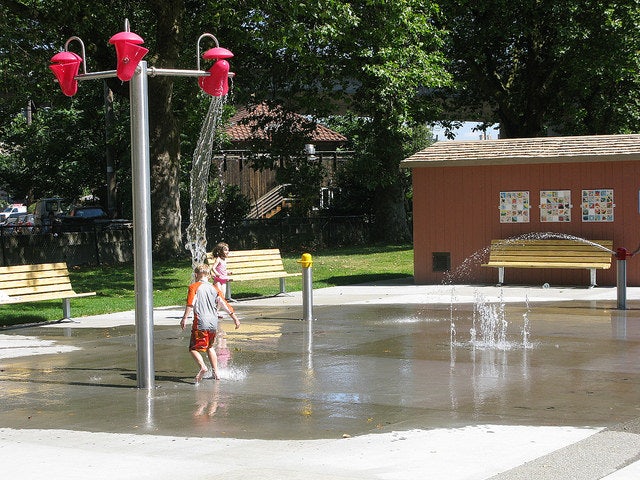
(466, 194)
(247, 131)
(243, 130)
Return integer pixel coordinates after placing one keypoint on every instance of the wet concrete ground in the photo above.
(357, 368)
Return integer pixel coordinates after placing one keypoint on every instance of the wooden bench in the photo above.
(35, 283)
(548, 253)
(254, 265)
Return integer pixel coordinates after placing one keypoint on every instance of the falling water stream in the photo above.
(196, 231)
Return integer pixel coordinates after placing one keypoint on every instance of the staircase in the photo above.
(269, 204)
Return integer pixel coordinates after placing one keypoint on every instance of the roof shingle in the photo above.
(242, 131)
(591, 148)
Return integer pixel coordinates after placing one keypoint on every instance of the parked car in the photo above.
(45, 212)
(25, 224)
(88, 218)
(8, 226)
(11, 209)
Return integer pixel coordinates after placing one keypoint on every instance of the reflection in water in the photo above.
(207, 403)
(489, 353)
(222, 350)
(309, 375)
(146, 408)
(309, 344)
(619, 324)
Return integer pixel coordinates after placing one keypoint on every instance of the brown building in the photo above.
(467, 193)
(260, 186)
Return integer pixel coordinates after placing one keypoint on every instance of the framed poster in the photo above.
(555, 205)
(514, 207)
(597, 205)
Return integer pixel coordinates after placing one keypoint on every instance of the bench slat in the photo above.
(601, 266)
(33, 282)
(277, 262)
(254, 253)
(514, 257)
(45, 296)
(244, 271)
(40, 267)
(27, 290)
(263, 275)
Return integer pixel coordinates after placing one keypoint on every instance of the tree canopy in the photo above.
(542, 67)
(536, 67)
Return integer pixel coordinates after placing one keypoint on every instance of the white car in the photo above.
(15, 208)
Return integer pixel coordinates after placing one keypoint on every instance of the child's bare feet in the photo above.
(214, 375)
(200, 374)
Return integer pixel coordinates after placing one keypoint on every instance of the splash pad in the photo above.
(377, 362)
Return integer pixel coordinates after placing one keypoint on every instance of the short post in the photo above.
(307, 286)
(621, 265)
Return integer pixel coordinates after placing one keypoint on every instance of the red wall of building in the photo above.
(456, 210)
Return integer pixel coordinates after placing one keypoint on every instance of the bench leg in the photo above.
(229, 299)
(66, 309)
(592, 272)
(282, 285)
(500, 275)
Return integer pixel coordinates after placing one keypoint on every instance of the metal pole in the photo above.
(142, 252)
(307, 292)
(307, 287)
(622, 284)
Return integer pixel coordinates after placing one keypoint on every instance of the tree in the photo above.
(354, 179)
(541, 65)
(29, 147)
(35, 31)
(397, 55)
(371, 58)
(59, 149)
(601, 94)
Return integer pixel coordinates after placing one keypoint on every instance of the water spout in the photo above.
(489, 326)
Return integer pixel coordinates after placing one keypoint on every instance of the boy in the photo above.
(204, 299)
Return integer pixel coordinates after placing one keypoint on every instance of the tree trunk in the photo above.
(164, 136)
(390, 222)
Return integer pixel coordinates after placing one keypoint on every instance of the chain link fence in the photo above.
(108, 247)
(294, 233)
(93, 247)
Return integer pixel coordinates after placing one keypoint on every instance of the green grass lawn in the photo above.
(114, 284)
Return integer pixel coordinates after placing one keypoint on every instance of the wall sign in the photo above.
(514, 207)
(597, 205)
(555, 205)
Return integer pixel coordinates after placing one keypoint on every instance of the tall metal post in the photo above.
(140, 159)
(142, 252)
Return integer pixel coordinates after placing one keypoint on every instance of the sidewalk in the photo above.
(352, 396)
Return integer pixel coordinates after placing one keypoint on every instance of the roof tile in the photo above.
(591, 148)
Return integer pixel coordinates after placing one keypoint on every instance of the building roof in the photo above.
(592, 148)
(243, 131)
